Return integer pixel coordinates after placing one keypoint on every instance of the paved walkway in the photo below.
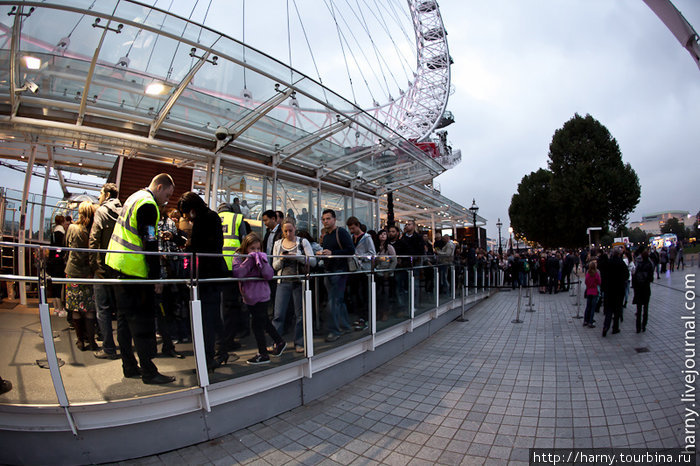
(484, 391)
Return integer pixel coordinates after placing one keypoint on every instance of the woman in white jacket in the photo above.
(291, 254)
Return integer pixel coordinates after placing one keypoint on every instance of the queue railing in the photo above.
(77, 377)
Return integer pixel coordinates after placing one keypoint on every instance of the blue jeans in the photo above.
(287, 291)
(338, 312)
(106, 305)
(591, 301)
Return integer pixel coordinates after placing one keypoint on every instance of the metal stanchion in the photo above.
(517, 316)
(461, 318)
(578, 301)
(530, 307)
(572, 290)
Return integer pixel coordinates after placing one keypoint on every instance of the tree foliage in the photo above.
(675, 226)
(587, 184)
(637, 235)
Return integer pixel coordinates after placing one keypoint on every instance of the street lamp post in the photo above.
(474, 209)
(499, 225)
(510, 231)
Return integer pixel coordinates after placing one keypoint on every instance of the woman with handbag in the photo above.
(291, 255)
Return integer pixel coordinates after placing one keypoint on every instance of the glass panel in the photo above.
(235, 340)
(426, 286)
(344, 300)
(445, 280)
(293, 200)
(22, 352)
(93, 371)
(336, 202)
(248, 189)
(392, 305)
(363, 212)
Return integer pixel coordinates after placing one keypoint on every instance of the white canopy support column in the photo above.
(207, 183)
(62, 182)
(23, 225)
(120, 167)
(49, 163)
(212, 196)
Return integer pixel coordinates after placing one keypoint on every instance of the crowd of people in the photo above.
(267, 300)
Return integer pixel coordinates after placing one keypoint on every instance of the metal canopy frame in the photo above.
(115, 117)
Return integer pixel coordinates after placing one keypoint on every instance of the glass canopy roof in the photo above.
(89, 81)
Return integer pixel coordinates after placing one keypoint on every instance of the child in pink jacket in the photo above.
(256, 295)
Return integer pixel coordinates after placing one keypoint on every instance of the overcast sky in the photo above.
(523, 68)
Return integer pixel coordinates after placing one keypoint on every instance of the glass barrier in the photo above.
(233, 322)
(446, 274)
(23, 360)
(116, 335)
(392, 302)
(426, 285)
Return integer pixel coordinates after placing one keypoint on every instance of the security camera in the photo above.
(222, 133)
(28, 86)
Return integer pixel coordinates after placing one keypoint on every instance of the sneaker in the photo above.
(101, 354)
(299, 349)
(332, 337)
(278, 348)
(259, 359)
(360, 325)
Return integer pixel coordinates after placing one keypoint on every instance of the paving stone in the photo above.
(484, 393)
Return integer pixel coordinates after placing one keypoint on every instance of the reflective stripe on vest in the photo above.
(125, 237)
(231, 224)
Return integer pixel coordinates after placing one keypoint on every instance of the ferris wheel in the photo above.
(388, 57)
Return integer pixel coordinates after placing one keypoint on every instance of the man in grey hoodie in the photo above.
(106, 217)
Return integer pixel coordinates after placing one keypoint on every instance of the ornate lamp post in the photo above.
(510, 231)
(474, 209)
(499, 225)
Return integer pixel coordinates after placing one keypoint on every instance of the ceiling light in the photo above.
(32, 63)
(155, 88)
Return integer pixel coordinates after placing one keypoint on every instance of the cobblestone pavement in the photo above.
(486, 390)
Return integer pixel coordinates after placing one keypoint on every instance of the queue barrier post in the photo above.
(517, 316)
(578, 301)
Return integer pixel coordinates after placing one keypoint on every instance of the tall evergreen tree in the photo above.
(590, 186)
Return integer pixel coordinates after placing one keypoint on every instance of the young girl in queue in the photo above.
(252, 263)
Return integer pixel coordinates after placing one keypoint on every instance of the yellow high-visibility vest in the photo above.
(126, 237)
(231, 223)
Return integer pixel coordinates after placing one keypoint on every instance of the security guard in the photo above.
(234, 322)
(136, 231)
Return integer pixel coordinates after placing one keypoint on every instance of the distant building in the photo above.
(652, 223)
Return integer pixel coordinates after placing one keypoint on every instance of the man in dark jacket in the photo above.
(207, 237)
(614, 282)
(552, 266)
(105, 218)
(567, 268)
(641, 281)
(336, 242)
